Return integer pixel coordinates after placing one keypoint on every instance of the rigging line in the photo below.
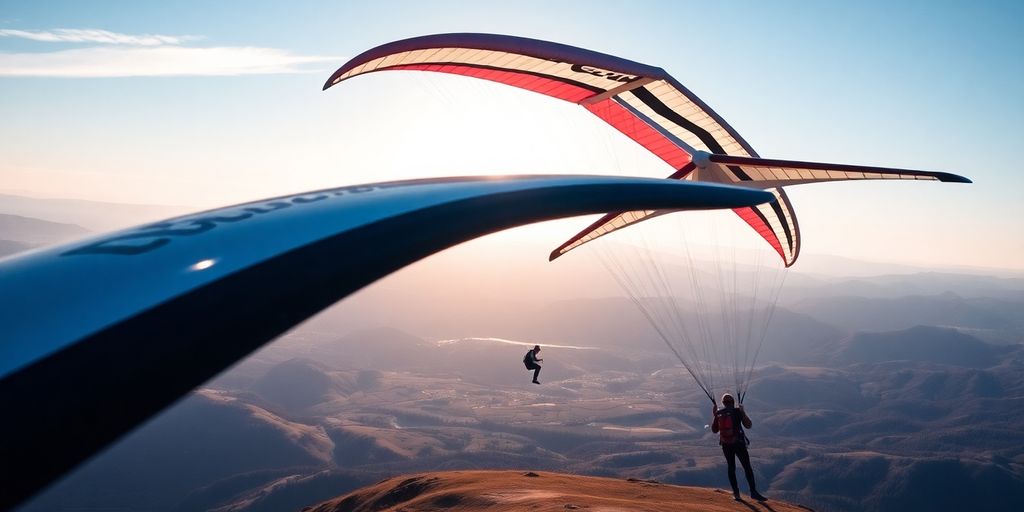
(737, 326)
(685, 339)
(726, 302)
(671, 297)
(689, 339)
(631, 284)
(711, 341)
(641, 268)
(754, 310)
(734, 332)
(761, 274)
(758, 304)
(663, 337)
(721, 332)
(758, 341)
(693, 328)
(674, 317)
(757, 274)
(771, 314)
(700, 301)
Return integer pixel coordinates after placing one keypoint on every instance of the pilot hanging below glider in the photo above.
(531, 360)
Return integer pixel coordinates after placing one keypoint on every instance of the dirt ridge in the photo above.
(507, 491)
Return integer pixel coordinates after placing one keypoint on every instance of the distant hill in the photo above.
(93, 215)
(300, 383)
(33, 232)
(8, 247)
(509, 491)
(997, 319)
(796, 338)
(917, 344)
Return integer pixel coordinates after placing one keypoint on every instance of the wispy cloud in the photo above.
(156, 61)
(90, 35)
(111, 54)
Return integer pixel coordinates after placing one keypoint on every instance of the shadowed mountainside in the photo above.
(920, 344)
(206, 438)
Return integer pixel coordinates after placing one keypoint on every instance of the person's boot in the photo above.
(736, 495)
(757, 496)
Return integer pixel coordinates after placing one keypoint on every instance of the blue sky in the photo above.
(219, 102)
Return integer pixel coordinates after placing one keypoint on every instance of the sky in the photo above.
(212, 103)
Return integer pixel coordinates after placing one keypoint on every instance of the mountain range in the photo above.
(881, 417)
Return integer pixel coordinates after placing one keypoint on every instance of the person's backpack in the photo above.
(527, 360)
(729, 431)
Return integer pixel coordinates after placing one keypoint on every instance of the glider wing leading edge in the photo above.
(99, 335)
(641, 101)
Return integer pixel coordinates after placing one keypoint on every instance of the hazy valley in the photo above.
(882, 420)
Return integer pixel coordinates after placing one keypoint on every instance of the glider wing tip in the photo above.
(949, 177)
(332, 81)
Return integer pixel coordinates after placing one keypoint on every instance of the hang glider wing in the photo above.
(99, 335)
(641, 101)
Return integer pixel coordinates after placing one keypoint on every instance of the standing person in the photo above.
(729, 423)
(531, 360)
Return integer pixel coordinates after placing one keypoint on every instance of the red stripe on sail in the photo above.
(539, 84)
(645, 135)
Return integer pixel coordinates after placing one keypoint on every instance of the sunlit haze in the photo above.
(201, 104)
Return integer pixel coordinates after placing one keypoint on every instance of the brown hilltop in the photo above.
(500, 491)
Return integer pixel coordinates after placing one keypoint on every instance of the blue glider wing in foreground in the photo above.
(98, 336)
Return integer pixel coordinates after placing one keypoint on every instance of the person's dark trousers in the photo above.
(732, 451)
(536, 370)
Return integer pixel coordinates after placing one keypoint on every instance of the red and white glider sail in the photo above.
(641, 101)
